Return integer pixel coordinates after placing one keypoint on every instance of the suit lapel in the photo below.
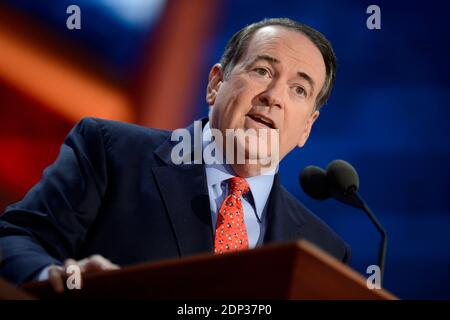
(185, 193)
(283, 222)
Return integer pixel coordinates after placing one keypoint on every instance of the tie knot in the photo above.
(238, 186)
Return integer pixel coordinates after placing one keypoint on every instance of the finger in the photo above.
(56, 278)
(69, 262)
(90, 265)
(105, 263)
(96, 263)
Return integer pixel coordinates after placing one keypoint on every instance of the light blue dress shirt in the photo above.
(254, 202)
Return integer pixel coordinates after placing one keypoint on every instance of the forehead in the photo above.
(291, 47)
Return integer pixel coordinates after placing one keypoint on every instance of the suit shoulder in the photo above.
(119, 127)
(117, 132)
(316, 230)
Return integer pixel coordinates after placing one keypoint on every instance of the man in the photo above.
(114, 196)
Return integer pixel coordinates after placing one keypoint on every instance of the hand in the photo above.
(57, 274)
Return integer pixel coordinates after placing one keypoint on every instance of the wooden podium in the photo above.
(296, 270)
(10, 292)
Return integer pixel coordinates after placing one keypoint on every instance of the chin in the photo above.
(253, 155)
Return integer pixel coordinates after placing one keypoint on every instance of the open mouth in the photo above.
(263, 120)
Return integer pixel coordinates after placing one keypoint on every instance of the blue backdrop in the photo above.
(388, 116)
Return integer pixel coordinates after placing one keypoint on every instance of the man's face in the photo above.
(273, 86)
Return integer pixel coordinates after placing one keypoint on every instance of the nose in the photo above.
(272, 96)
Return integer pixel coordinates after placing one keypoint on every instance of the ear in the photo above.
(215, 79)
(307, 131)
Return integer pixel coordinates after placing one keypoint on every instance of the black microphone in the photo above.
(314, 182)
(341, 181)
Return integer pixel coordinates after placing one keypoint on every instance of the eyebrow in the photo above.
(300, 74)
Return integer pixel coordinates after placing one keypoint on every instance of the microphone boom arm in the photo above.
(383, 243)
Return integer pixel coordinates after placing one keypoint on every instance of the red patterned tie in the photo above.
(231, 234)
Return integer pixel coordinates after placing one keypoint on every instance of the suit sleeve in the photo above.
(48, 225)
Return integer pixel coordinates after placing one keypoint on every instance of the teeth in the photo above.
(262, 119)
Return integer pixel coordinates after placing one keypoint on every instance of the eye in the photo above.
(261, 71)
(300, 91)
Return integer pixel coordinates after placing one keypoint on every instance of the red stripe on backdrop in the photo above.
(30, 137)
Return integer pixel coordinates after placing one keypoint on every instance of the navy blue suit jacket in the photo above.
(114, 191)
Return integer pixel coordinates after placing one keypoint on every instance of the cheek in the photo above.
(293, 134)
(294, 126)
(239, 89)
(234, 97)
(229, 93)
